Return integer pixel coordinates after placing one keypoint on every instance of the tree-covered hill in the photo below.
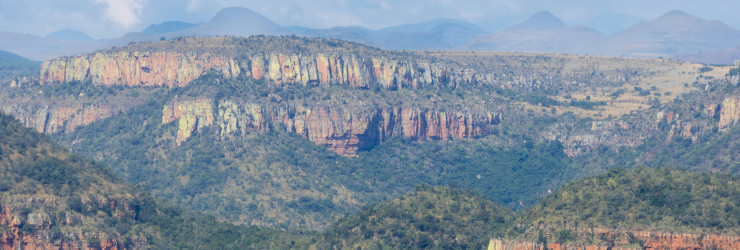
(647, 199)
(50, 197)
(428, 217)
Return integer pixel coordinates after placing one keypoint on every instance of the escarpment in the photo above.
(342, 130)
(135, 69)
(272, 63)
(178, 69)
(313, 62)
(54, 117)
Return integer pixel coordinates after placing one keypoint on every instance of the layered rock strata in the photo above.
(729, 112)
(65, 117)
(342, 130)
(136, 68)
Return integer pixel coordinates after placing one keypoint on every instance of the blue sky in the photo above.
(113, 18)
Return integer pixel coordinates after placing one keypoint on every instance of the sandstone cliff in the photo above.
(135, 69)
(178, 69)
(342, 130)
(63, 116)
(288, 61)
(729, 112)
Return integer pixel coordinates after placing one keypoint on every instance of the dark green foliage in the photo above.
(69, 176)
(429, 217)
(657, 199)
(226, 176)
(712, 151)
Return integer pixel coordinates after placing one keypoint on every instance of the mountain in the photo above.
(230, 21)
(720, 57)
(10, 60)
(542, 20)
(542, 32)
(68, 34)
(234, 21)
(307, 121)
(295, 133)
(357, 34)
(611, 22)
(35, 47)
(674, 33)
(12, 65)
(167, 27)
(440, 34)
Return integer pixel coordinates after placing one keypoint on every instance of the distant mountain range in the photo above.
(440, 34)
(542, 32)
(676, 34)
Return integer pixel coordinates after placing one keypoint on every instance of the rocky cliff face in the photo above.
(192, 116)
(54, 117)
(33, 231)
(361, 71)
(342, 130)
(178, 69)
(135, 68)
(636, 239)
(729, 112)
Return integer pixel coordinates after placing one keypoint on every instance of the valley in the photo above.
(313, 142)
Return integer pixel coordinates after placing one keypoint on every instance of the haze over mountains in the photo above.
(675, 34)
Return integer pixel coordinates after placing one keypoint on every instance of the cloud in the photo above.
(123, 12)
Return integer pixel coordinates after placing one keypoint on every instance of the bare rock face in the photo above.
(135, 69)
(178, 69)
(729, 112)
(192, 116)
(52, 118)
(342, 130)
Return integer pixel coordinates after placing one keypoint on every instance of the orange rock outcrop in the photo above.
(136, 68)
(342, 130)
(178, 69)
(65, 117)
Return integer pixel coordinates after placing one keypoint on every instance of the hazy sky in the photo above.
(113, 18)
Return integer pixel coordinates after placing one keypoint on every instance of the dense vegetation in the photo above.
(428, 217)
(99, 204)
(641, 198)
(282, 180)
(645, 198)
